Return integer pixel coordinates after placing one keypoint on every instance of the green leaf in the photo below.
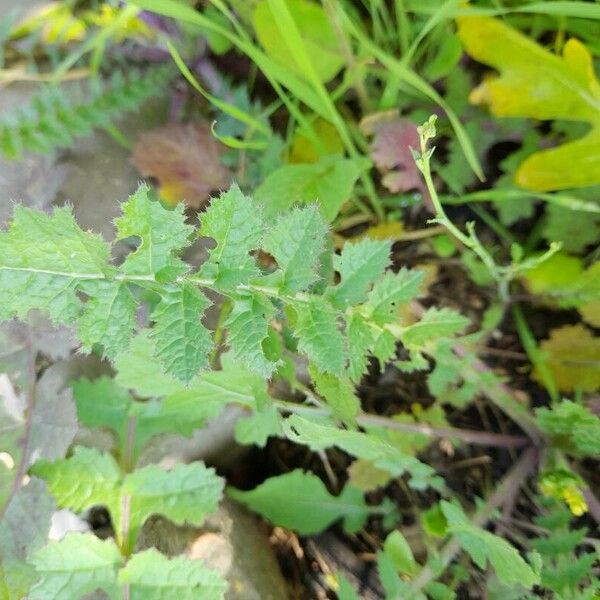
(108, 318)
(360, 265)
(103, 403)
(318, 335)
(182, 342)
(320, 40)
(572, 426)
(328, 182)
(139, 370)
(300, 501)
(248, 327)
(434, 324)
(483, 545)
(235, 223)
(398, 549)
(184, 494)
(162, 233)
(258, 427)
(152, 576)
(43, 260)
(77, 565)
(85, 479)
(391, 291)
(296, 242)
(320, 436)
(360, 343)
(339, 394)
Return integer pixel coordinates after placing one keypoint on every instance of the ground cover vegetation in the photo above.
(372, 228)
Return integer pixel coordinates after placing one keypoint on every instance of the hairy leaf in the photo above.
(248, 326)
(535, 83)
(182, 342)
(45, 274)
(162, 234)
(318, 335)
(300, 501)
(152, 576)
(296, 242)
(234, 222)
(391, 291)
(435, 323)
(360, 265)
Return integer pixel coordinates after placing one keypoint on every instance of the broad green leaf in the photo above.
(152, 576)
(162, 234)
(338, 393)
(258, 427)
(248, 327)
(108, 317)
(328, 182)
(360, 265)
(182, 342)
(103, 403)
(296, 242)
(390, 292)
(435, 323)
(483, 545)
(43, 260)
(318, 35)
(398, 550)
(234, 221)
(300, 501)
(77, 565)
(318, 335)
(535, 83)
(184, 494)
(85, 479)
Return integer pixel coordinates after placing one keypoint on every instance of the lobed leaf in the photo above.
(162, 234)
(234, 221)
(318, 335)
(360, 265)
(296, 242)
(182, 342)
(391, 291)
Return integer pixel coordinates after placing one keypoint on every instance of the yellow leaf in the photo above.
(572, 354)
(304, 150)
(591, 313)
(538, 84)
(392, 230)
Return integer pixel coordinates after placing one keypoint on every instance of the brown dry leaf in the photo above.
(573, 357)
(185, 159)
(393, 139)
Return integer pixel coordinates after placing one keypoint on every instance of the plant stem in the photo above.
(507, 488)
(481, 438)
